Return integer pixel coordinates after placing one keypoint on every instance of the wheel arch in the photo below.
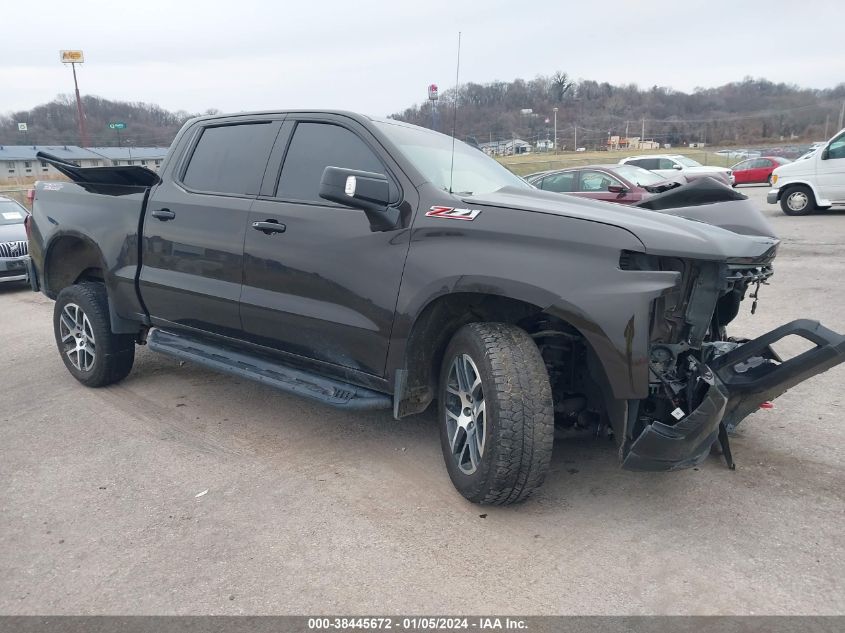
(425, 337)
(70, 257)
(782, 188)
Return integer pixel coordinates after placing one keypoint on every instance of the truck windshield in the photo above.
(431, 153)
(11, 212)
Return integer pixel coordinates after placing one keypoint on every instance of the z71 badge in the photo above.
(450, 213)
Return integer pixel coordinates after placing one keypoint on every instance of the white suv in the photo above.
(816, 181)
(670, 165)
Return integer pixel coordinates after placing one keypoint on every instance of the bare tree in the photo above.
(561, 84)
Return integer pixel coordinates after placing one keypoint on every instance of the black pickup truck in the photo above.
(371, 264)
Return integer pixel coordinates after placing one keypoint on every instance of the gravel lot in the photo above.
(312, 511)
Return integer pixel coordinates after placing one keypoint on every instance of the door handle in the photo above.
(268, 227)
(163, 214)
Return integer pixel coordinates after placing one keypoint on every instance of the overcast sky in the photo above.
(378, 57)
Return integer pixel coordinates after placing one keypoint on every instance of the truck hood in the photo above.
(805, 167)
(659, 232)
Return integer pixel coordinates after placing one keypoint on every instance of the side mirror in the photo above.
(617, 189)
(825, 153)
(363, 190)
(677, 166)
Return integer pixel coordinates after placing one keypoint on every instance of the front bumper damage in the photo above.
(739, 382)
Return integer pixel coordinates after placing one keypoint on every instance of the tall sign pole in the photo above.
(73, 58)
(432, 97)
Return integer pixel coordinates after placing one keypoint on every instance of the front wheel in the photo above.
(93, 355)
(798, 200)
(496, 413)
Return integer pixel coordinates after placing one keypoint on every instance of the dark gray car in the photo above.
(13, 243)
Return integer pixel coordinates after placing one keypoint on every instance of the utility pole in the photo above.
(73, 58)
(555, 111)
(826, 124)
(842, 115)
(576, 139)
(642, 134)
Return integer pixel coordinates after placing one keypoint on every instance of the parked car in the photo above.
(667, 165)
(738, 154)
(372, 264)
(13, 241)
(817, 181)
(623, 184)
(757, 170)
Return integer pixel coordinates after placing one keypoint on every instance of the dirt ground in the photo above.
(104, 509)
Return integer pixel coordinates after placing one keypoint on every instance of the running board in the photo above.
(302, 383)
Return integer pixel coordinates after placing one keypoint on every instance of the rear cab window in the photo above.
(559, 183)
(230, 159)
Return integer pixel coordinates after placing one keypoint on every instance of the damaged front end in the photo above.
(702, 382)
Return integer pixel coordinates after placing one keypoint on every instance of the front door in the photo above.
(319, 283)
(831, 171)
(195, 224)
(595, 185)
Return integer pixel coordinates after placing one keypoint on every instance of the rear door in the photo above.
(323, 285)
(195, 224)
(561, 182)
(759, 170)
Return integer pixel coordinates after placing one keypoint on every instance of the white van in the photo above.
(815, 182)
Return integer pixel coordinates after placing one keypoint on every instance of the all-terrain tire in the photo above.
(518, 414)
(81, 318)
(798, 200)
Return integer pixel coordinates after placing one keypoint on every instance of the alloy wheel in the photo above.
(466, 417)
(77, 337)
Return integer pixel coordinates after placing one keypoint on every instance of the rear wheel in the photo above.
(91, 352)
(798, 200)
(496, 413)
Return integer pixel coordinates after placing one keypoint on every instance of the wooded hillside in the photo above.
(751, 111)
(55, 123)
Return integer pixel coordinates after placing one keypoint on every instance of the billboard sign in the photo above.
(72, 57)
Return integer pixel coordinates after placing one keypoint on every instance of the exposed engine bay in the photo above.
(702, 381)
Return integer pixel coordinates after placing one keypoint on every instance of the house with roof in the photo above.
(19, 164)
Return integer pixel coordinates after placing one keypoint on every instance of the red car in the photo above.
(756, 170)
(623, 184)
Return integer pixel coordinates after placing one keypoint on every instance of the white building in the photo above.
(19, 165)
(149, 157)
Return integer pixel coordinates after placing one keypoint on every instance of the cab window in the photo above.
(836, 149)
(316, 146)
(230, 159)
(559, 183)
(593, 181)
